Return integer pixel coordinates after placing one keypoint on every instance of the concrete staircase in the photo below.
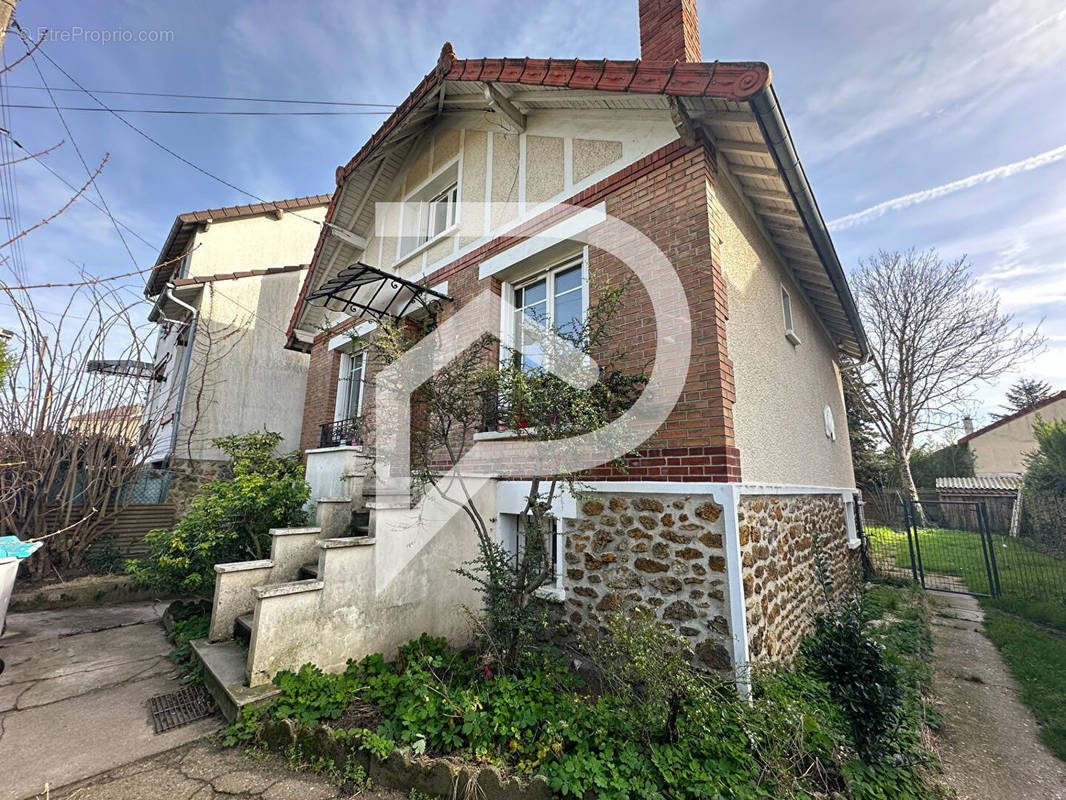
(254, 599)
(373, 574)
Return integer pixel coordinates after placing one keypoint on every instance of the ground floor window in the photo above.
(510, 532)
(350, 385)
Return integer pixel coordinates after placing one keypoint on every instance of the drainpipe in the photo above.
(188, 360)
(775, 131)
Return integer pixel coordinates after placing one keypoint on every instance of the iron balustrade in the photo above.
(342, 433)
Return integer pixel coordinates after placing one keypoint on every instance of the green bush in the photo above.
(229, 519)
(860, 679)
(181, 634)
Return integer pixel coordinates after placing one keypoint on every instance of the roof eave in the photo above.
(775, 131)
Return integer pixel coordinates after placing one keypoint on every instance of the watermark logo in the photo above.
(77, 33)
(410, 528)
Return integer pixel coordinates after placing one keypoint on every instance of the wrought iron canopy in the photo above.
(370, 292)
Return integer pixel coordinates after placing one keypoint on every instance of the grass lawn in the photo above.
(1037, 659)
(1033, 584)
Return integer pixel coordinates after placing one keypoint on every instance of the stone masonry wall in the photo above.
(787, 544)
(662, 552)
(189, 477)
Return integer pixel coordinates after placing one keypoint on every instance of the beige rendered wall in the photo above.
(255, 243)
(241, 378)
(1003, 448)
(781, 388)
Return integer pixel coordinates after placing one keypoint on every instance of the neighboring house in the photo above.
(1001, 447)
(733, 512)
(121, 422)
(223, 288)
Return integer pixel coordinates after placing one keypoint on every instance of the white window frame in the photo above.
(850, 520)
(510, 538)
(510, 323)
(408, 246)
(344, 387)
(786, 314)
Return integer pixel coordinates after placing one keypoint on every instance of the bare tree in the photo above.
(70, 448)
(935, 337)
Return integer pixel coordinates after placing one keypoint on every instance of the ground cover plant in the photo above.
(641, 724)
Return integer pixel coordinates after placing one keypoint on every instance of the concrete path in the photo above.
(203, 771)
(74, 694)
(989, 743)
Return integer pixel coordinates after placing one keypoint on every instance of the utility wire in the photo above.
(204, 113)
(217, 97)
(77, 149)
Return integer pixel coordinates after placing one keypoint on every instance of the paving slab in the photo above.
(203, 770)
(74, 696)
(989, 744)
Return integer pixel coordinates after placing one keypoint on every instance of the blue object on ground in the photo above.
(13, 547)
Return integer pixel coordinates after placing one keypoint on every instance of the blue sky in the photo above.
(884, 100)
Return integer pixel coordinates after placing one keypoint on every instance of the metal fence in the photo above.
(951, 546)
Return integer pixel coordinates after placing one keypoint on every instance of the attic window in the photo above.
(431, 210)
(786, 310)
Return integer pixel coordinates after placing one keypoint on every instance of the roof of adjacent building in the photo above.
(994, 483)
(733, 103)
(1016, 415)
(232, 276)
(185, 225)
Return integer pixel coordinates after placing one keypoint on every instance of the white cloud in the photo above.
(907, 200)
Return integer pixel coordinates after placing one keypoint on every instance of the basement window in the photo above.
(786, 310)
(514, 542)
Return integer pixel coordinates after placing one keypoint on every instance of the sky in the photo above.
(918, 124)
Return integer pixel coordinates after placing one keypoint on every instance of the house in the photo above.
(223, 288)
(121, 422)
(1000, 447)
(493, 179)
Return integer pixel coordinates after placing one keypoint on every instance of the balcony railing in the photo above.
(342, 433)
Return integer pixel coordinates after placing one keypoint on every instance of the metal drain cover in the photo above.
(180, 707)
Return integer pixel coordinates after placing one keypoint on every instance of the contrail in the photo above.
(873, 212)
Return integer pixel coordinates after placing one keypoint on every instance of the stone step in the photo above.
(242, 628)
(309, 571)
(225, 664)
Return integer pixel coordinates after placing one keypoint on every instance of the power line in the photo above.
(217, 97)
(204, 113)
(81, 158)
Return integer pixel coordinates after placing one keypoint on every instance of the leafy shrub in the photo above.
(229, 519)
(648, 665)
(860, 680)
(311, 696)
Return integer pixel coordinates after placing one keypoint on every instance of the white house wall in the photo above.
(782, 389)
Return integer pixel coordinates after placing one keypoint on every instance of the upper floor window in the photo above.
(431, 210)
(556, 300)
(786, 310)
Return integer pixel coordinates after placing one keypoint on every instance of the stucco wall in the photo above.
(1003, 448)
(255, 243)
(557, 155)
(241, 378)
(781, 388)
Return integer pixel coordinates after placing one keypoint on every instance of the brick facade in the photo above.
(665, 195)
(669, 30)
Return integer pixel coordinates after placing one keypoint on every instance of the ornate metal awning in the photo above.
(369, 292)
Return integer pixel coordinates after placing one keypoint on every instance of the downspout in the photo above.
(188, 360)
(775, 131)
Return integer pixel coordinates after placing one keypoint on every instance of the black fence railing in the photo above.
(950, 546)
(342, 433)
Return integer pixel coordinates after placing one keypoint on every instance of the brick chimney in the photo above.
(669, 30)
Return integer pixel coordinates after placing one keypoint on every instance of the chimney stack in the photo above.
(669, 30)
(967, 425)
